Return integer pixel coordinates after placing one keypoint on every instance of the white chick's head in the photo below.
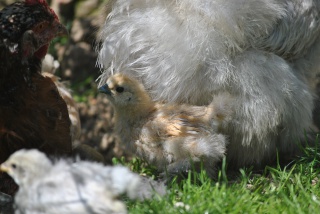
(24, 165)
(124, 91)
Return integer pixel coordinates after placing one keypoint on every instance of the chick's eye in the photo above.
(120, 89)
(13, 165)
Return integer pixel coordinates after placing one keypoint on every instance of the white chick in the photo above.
(172, 137)
(262, 52)
(64, 187)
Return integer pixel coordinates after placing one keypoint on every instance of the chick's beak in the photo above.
(105, 89)
(4, 167)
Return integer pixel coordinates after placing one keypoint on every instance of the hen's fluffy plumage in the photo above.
(167, 135)
(263, 52)
(65, 187)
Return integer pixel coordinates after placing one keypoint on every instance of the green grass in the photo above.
(293, 189)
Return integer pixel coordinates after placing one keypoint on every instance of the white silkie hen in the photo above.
(265, 53)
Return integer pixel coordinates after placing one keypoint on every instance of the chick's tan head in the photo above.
(125, 91)
(24, 165)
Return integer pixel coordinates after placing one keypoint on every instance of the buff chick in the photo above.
(66, 187)
(172, 137)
